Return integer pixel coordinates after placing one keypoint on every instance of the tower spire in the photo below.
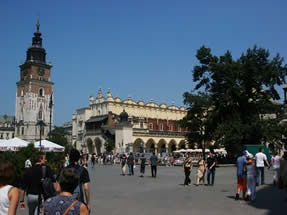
(38, 25)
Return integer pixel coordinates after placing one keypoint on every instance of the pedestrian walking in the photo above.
(93, 160)
(211, 163)
(65, 203)
(142, 165)
(187, 166)
(261, 159)
(123, 161)
(131, 163)
(275, 162)
(200, 173)
(28, 163)
(32, 186)
(241, 175)
(9, 195)
(153, 164)
(251, 178)
(83, 193)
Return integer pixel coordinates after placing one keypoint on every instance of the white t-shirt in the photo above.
(260, 158)
(276, 162)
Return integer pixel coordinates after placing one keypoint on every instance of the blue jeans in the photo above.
(131, 169)
(260, 175)
(212, 173)
(33, 202)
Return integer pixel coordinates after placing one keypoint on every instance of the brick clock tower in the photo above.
(34, 97)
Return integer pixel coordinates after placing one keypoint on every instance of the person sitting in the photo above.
(65, 203)
(9, 195)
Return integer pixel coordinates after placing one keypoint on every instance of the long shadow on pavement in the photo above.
(269, 198)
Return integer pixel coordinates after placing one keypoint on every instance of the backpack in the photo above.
(78, 192)
(48, 190)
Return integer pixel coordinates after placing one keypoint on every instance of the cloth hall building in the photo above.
(133, 126)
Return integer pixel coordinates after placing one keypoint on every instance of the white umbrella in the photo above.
(3, 147)
(48, 146)
(13, 144)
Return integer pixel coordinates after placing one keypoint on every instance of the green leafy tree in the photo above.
(109, 144)
(57, 136)
(197, 119)
(242, 94)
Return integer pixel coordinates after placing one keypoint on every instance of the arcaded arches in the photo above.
(172, 146)
(150, 146)
(182, 144)
(91, 147)
(161, 146)
(98, 144)
(138, 146)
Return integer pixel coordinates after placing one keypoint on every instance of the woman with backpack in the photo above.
(65, 203)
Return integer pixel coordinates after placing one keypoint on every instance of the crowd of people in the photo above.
(71, 191)
(250, 172)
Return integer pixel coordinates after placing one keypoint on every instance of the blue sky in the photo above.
(139, 48)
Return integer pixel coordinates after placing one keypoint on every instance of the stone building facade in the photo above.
(7, 127)
(34, 96)
(150, 127)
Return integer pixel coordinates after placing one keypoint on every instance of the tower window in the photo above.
(41, 92)
(22, 92)
(40, 115)
(22, 131)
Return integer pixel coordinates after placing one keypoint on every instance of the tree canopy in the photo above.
(237, 97)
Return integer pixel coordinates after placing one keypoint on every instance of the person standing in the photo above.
(187, 166)
(251, 178)
(83, 175)
(211, 163)
(9, 195)
(241, 175)
(93, 159)
(131, 163)
(200, 170)
(28, 163)
(65, 203)
(142, 168)
(275, 162)
(123, 162)
(153, 164)
(31, 184)
(260, 158)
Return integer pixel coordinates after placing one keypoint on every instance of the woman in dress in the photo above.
(65, 203)
(200, 171)
(9, 195)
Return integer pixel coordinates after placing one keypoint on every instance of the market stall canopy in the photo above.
(13, 144)
(48, 146)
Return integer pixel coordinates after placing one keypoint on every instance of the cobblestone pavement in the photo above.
(113, 194)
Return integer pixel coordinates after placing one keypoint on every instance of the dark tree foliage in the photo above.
(241, 95)
(57, 136)
(109, 144)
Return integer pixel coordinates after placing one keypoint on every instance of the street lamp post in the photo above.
(41, 124)
(50, 106)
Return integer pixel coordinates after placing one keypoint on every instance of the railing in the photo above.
(141, 132)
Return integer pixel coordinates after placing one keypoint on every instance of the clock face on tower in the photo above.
(41, 71)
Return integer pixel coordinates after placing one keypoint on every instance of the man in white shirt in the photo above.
(260, 158)
(28, 163)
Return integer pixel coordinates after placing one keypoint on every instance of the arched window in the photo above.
(22, 132)
(22, 92)
(40, 115)
(41, 92)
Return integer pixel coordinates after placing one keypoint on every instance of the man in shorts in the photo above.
(241, 174)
